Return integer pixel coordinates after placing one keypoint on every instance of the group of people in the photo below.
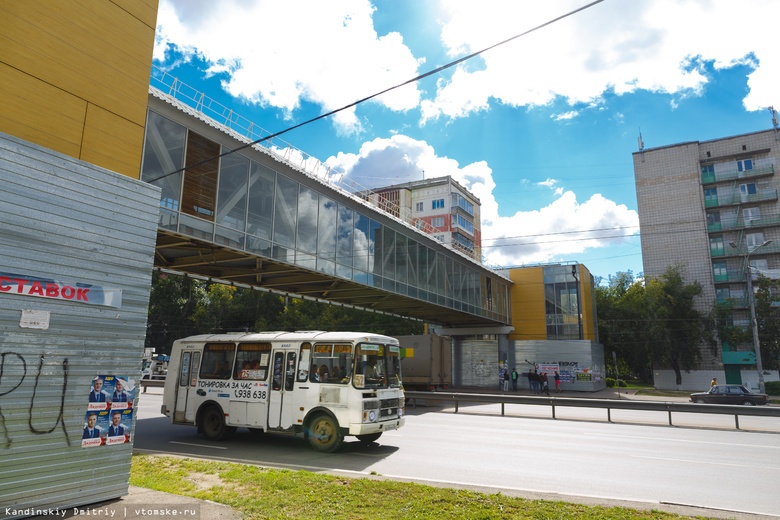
(506, 376)
(539, 382)
(246, 366)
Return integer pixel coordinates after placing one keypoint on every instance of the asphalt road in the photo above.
(637, 461)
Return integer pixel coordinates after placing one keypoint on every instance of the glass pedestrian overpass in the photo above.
(270, 217)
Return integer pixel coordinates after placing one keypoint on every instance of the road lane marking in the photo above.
(198, 445)
(687, 461)
(669, 439)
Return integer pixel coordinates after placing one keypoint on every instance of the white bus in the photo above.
(324, 385)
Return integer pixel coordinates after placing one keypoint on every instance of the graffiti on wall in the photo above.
(14, 371)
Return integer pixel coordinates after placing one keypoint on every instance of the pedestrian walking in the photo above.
(557, 382)
(506, 379)
(537, 383)
(514, 380)
(531, 381)
(544, 387)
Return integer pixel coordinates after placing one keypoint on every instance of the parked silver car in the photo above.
(729, 394)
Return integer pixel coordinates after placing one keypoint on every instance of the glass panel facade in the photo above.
(326, 233)
(238, 202)
(308, 206)
(360, 243)
(561, 303)
(285, 216)
(260, 220)
(163, 154)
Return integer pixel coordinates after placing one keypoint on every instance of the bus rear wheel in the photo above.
(324, 434)
(212, 424)
(369, 437)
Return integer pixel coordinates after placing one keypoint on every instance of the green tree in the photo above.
(677, 329)
(767, 299)
(654, 323)
(172, 303)
(623, 325)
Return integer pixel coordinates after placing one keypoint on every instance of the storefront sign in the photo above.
(26, 285)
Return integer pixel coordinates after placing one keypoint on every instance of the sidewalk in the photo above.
(607, 393)
(142, 503)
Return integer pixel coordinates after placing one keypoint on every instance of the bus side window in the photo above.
(217, 360)
(303, 362)
(289, 376)
(252, 361)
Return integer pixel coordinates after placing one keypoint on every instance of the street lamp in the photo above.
(752, 302)
(579, 310)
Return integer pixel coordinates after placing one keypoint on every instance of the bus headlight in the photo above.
(372, 415)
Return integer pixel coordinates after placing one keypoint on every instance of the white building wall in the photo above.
(699, 380)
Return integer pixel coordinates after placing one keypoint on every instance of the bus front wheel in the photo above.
(324, 434)
(213, 426)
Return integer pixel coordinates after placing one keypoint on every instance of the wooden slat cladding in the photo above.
(200, 179)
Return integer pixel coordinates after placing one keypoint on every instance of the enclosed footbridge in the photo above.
(270, 217)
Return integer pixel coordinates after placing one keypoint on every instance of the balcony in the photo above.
(739, 357)
(735, 303)
(731, 175)
(740, 223)
(729, 277)
(738, 198)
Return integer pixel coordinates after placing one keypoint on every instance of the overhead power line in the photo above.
(372, 96)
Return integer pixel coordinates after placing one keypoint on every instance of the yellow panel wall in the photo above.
(528, 310)
(528, 306)
(75, 76)
(586, 301)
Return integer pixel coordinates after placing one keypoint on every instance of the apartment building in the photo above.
(712, 207)
(440, 206)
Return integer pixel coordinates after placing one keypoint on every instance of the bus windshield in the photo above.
(377, 366)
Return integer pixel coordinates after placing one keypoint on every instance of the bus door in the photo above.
(280, 406)
(185, 405)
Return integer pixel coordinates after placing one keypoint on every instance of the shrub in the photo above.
(772, 387)
(611, 382)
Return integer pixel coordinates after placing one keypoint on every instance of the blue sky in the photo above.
(541, 129)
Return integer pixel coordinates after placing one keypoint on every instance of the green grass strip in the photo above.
(260, 493)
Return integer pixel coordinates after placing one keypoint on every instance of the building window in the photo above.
(419, 206)
(437, 222)
(711, 197)
(716, 246)
(745, 165)
(751, 214)
(723, 294)
(437, 204)
(753, 240)
(459, 201)
(746, 190)
(720, 272)
(463, 241)
(713, 221)
(461, 222)
(759, 263)
(708, 173)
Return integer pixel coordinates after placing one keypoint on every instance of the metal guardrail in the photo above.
(608, 404)
(159, 383)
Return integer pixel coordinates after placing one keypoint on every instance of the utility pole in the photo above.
(752, 305)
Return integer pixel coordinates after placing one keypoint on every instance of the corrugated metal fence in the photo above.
(76, 249)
